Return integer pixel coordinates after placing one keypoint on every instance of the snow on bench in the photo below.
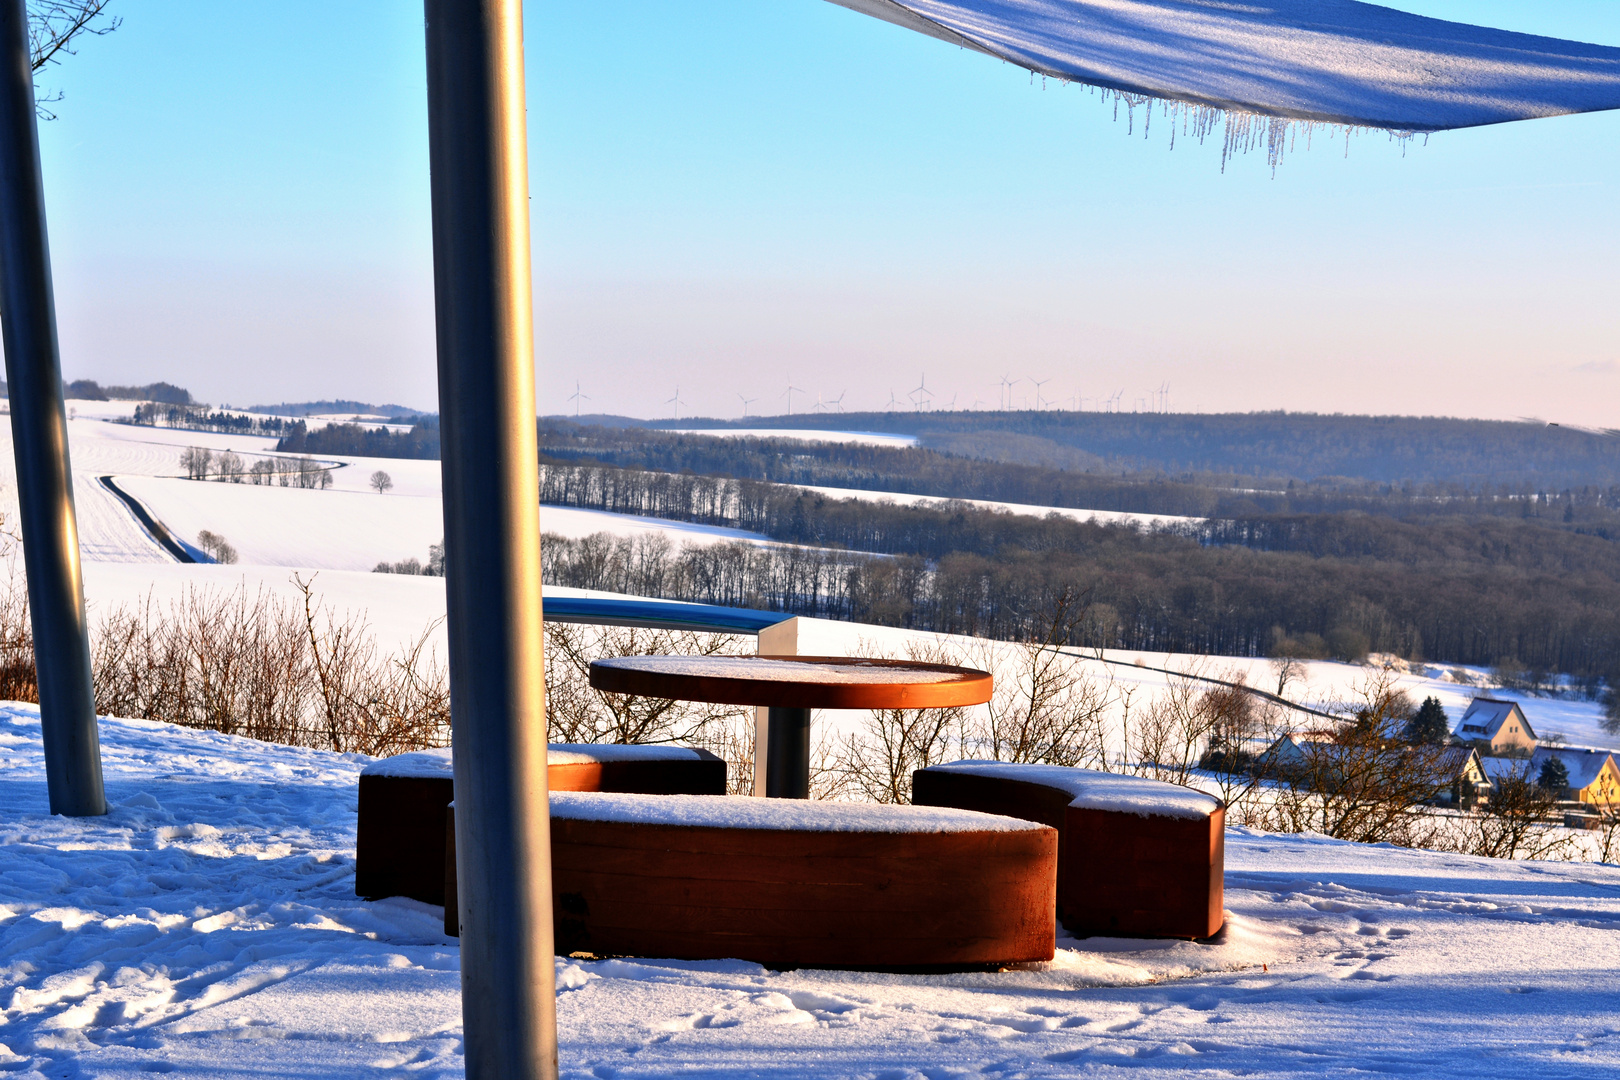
(1136, 858)
(796, 815)
(400, 847)
(796, 883)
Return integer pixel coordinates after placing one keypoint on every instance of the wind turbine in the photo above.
(950, 406)
(791, 390)
(1006, 391)
(819, 406)
(922, 388)
(747, 401)
(1039, 402)
(677, 402)
(576, 397)
(838, 402)
(893, 401)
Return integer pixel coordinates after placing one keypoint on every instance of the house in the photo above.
(1468, 780)
(1498, 728)
(1457, 772)
(1593, 775)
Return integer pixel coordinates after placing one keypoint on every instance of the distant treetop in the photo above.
(341, 405)
(90, 390)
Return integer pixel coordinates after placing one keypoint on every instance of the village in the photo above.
(1491, 757)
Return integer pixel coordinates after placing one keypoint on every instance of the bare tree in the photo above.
(381, 481)
(229, 467)
(196, 460)
(54, 29)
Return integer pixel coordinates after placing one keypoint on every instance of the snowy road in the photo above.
(207, 927)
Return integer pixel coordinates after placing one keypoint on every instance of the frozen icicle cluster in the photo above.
(1240, 132)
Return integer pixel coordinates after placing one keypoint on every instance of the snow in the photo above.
(859, 438)
(797, 815)
(436, 763)
(207, 927)
(757, 670)
(1334, 61)
(1101, 517)
(1094, 790)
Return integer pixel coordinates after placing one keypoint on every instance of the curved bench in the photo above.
(789, 883)
(1137, 857)
(400, 846)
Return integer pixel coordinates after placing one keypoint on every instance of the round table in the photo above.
(790, 686)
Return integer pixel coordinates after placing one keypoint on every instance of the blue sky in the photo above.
(731, 196)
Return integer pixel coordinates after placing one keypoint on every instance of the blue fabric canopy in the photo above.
(1332, 61)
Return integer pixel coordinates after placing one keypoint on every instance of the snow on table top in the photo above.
(1329, 60)
(797, 815)
(854, 672)
(439, 762)
(1094, 790)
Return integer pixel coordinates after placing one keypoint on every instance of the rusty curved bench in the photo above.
(789, 883)
(1136, 858)
(400, 845)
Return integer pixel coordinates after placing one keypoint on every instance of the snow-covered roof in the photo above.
(1336, 61)
(1583, 765)
(1092, 790)
(798, 815)
(1484, 717)
(430, 763)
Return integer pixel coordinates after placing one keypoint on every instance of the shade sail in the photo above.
(1334, 61)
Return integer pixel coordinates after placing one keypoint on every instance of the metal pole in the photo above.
(787, 759)
(478, 153)
(50, 531)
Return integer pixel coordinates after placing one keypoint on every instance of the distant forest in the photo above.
(1268, 446)
(921, 471)
(421, 441)
(90, 390)
(341, 405)
(1465, 590)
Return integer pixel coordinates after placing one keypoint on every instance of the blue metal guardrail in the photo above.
(659, 615)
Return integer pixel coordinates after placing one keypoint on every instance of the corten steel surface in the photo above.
(400, 840)
(50, 532)
(1118, 873)
(804, 899)
(839, 686)
(483, 321)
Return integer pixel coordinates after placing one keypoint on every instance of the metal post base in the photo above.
(787, 757)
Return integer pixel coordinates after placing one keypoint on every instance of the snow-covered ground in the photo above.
(862, 438)
(208, 927)
(1104, 517)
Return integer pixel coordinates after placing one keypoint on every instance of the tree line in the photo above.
(354, 440)
(1468, 591)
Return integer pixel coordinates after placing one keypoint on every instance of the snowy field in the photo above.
(860, 438)
(1102, 517)
(208, 927)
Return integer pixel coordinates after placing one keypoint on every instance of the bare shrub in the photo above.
(876, 761)
(578, 713)
(1046, 708)
(1358, 779)
(18, 679)
(1521, 820)
(272, 670)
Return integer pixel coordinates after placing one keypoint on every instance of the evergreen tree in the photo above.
(1554, 776)
(1430, 724)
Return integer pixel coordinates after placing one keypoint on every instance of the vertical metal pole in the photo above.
(50, 531)
(787, 760)
(478, 152)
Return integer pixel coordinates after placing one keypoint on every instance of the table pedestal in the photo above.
(787, 754)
